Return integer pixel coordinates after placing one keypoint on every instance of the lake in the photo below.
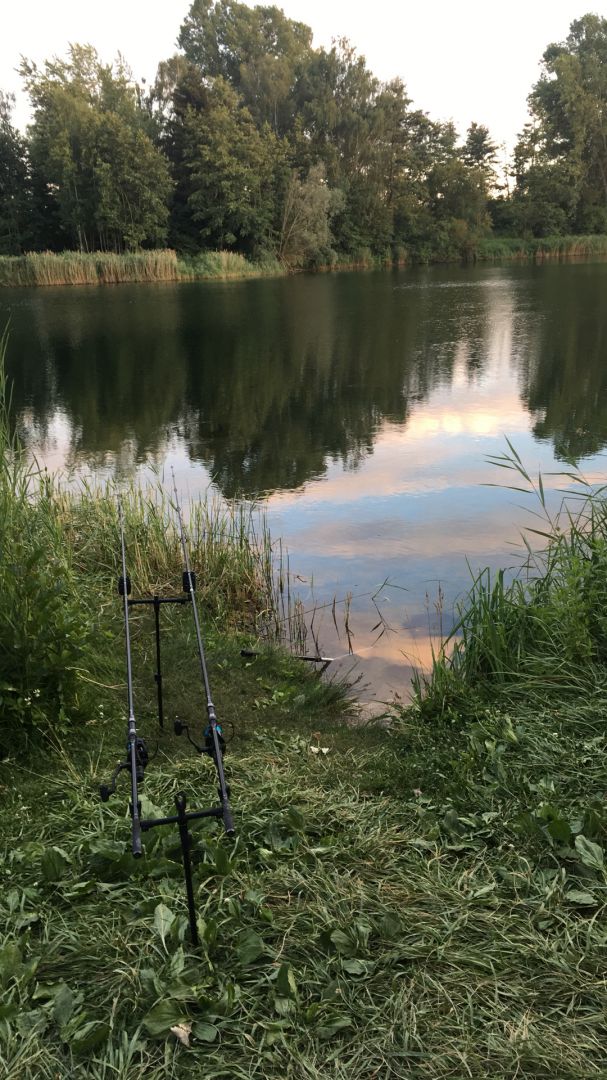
(360, 407)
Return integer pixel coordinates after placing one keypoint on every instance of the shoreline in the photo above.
(39, 269)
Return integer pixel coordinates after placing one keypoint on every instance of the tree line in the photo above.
(252, 140)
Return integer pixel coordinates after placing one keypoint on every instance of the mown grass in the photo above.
(423, 901)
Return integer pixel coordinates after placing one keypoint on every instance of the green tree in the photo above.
(562, 156)
(258, 50)
(308, 206)
(231, 172)
(479, 150)
(14, 201)
(94, 166)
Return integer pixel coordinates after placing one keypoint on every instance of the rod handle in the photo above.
(137, 845)
(136, 830)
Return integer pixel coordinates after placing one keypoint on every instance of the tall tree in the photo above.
(94, 165)
(479, 150)
(230, 169)
(14, 193)
(258, 50)
(566, 162)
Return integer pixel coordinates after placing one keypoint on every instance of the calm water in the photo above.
(362, 407)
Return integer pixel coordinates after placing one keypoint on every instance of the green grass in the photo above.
(423, 901)
(227, 264)
(507, 247)
(543, 633)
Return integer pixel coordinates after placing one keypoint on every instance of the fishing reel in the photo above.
(209, 745)
(141, 760)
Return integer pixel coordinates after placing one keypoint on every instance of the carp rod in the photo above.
(214, 743)
(137, 756)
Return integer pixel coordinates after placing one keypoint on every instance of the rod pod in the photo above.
(137, 756)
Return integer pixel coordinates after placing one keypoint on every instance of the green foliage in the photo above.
(257, 50)
(231, 165)
(97, 173)
(544, 632)
(14, 183)
(46, 629)
(561, 158)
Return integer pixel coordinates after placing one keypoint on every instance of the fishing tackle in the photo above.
(137, 756)
(324, 660)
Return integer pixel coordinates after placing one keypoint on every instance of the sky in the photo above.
(465, 61)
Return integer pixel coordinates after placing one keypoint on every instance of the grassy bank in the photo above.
(424, 900)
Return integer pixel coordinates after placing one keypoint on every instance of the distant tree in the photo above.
(258, 50)
(561, 158)
(230, 172)
(479, 151)
(308, 206)
(95, 168)
(14, 182)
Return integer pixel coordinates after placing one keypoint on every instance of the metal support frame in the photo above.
(181, 819)
(157, 601)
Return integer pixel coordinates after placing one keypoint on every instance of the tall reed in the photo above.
(547, 247)
(227, 264)
(543, 634)
(80, 268)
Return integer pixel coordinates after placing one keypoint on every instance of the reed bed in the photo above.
(506, 247)
(226, 265)
(79, 268)
(108, 268)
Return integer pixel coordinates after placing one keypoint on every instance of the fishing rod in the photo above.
(136, 750)
(137, 756)
(214, 742)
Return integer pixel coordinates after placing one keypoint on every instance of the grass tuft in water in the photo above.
(544, 633)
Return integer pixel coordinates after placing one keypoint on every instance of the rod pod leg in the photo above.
(158, 674)
(185, 838)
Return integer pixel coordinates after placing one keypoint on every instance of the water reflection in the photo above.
(264, 382)
(363, 406)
